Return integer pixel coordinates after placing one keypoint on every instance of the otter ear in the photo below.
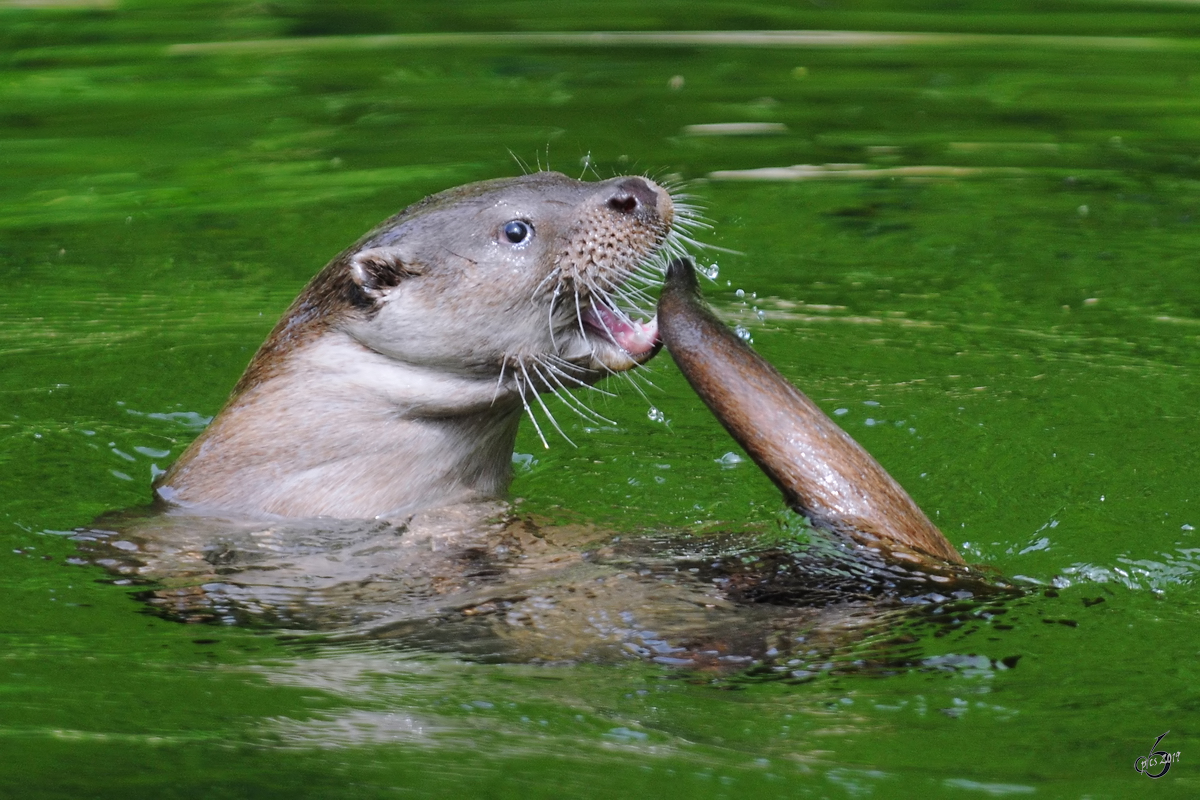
(376, 270)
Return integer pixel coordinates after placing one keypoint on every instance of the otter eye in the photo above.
(517, 231)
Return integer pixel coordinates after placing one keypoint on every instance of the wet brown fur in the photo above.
(823, 473)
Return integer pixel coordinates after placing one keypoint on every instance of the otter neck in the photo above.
(342, 431)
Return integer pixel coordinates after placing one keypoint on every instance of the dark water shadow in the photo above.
(481, 583)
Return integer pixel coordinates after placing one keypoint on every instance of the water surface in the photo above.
(1015, 340)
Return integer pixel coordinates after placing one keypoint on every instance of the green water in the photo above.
(1018, 345)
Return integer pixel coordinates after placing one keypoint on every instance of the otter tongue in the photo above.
(635, 338)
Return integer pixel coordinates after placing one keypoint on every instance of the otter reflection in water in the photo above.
(352, 483)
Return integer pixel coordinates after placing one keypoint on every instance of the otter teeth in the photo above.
(635, 338)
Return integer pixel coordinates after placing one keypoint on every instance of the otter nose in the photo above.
(632, 194)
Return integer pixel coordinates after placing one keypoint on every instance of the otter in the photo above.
(353, 481)
(396, 380)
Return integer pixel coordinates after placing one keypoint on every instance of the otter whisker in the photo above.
(689, 215)
(550, 313)
(602, 299)
(550, 385)
(688, 240)
(559, 311)
(628, 377)
(520, 162)
(566, 374)
(640, 294)
(640, 372)
(634, 374)
(649, 268)
(556, 272)
(569, 400)
(690, 227)
(578, 310)
(678, 243)
(623, 289)
(706, 246)
(689, 219)
(589, 166)
(538, 397)
(671, 249)
(634, 296)
(561, 374)
(687, 230)
(608, 300)
(605, 299)
(500, 380)
(678, 188)
(528, 410)
(686, 203)
(645, 280)
(688, 206)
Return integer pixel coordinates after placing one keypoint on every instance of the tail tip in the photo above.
(682, 271)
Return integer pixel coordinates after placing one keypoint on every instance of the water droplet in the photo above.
(840, 411)
(712, 271)
(729, 460)
(743, 334)
(655, 415)
(740, 293)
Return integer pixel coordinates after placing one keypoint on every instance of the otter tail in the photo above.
(823, 473)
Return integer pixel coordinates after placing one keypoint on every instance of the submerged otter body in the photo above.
(397, 378)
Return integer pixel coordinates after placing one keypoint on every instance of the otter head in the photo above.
(529, 281)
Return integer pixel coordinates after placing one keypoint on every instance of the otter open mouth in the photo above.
(638, 339)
